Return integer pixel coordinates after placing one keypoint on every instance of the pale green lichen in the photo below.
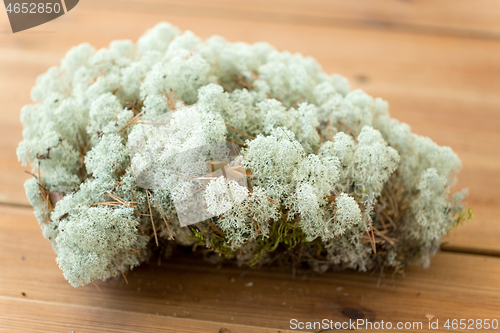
(333, 180)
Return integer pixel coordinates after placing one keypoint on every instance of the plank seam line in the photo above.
(470, 251)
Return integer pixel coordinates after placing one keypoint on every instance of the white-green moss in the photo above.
(328, 167)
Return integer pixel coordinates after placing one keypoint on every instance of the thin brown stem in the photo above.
(151, 215)
(240, 133)
(163, 217)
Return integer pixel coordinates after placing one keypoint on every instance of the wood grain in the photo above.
(479, 19)
(455, 286)
(437, 64)
(56, 317)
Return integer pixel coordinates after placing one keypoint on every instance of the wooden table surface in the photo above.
(437, 63)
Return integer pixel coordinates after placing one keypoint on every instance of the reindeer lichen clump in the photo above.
(330, 178)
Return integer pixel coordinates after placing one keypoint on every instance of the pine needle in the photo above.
(163, 217)
(381, 234)
(217, 230)
(240, 133)
(97, 287)
(240, 143)
(107, 203)
(132, 121)
(372, 240)
(118, 201)
(256, 223)
(180, 99)
(111, 272)
(124, 277)
(117, 198)
(235, 149)
(386, 215)
(170, 101)
(151, 215)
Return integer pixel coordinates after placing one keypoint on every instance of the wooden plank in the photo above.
(18, 76)
(22, 315)
(455, 286)
(470, 237)
(445, 87)
(479, 18)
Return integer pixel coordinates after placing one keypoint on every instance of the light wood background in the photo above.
(437, 63)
